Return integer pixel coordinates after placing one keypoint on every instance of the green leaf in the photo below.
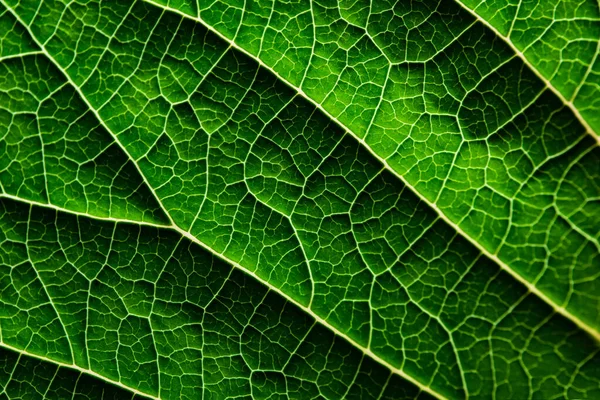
(299, 199)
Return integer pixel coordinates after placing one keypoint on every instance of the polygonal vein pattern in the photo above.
(181, 217)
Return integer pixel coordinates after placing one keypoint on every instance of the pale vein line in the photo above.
(20, 55)
(558, 309)
(79, 213)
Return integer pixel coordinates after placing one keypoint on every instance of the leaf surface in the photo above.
(304, 199)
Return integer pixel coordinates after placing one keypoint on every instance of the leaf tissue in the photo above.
(300, 199)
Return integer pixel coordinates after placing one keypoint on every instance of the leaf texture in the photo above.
(298, 199)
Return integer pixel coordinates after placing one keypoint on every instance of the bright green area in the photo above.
(131, 117)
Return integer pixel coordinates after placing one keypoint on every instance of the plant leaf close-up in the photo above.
(300, 199)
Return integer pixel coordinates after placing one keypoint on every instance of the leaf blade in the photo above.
(339, 159)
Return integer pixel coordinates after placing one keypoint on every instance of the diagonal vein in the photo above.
(193, 239)
(530, 287)
(184, 233)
